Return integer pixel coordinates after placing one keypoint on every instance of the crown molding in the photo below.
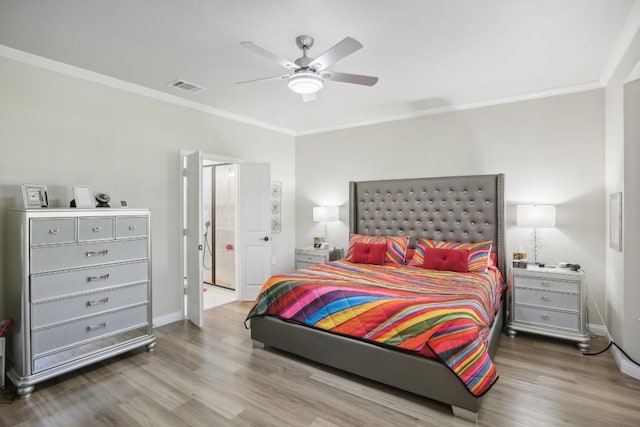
(625, 38)
(460, 107)
(91, 76)
(81, 73)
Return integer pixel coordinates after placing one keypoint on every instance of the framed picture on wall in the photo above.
(35, 196)
(83, 196)
(615, 221)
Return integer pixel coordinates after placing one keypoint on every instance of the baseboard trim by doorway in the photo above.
(167, 318)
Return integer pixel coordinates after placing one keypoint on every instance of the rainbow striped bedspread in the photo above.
(431, 313)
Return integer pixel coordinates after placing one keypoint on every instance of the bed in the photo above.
(462, 209)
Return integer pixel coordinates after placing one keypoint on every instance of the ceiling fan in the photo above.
(307, 75)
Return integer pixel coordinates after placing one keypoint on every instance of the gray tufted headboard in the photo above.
(456, 208)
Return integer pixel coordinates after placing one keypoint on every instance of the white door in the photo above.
(194, 240)
(254, 228)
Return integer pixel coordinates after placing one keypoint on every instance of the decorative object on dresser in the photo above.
(82, 197)
(103, 200)
(549, 301)
(78, 289)
(35, 196)
(536, 216)
(311, 256)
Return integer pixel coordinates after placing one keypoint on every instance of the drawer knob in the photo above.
(54, 231)
(547, 299)
(96, 229)
(96, 302)
(94, 253)
(545, 317)
(97, 326)
(132, 227)
(545, 284)
(96, 278)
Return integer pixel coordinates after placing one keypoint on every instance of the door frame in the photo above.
(183, 214)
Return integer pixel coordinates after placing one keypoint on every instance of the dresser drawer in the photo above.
(52, 285)
(54, 258)
(51, 231)
(548, 299)
(96, 229)
(87, 329)
(59, 310)
(545, 283)
(548, 318)
(132, 226)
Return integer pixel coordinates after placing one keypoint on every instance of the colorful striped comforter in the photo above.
(431, 313)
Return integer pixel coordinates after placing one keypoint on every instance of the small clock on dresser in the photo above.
(549, 301)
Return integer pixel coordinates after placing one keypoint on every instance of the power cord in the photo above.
(611, 342)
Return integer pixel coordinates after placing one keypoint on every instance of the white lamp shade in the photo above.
(536, 216)
(326, 213)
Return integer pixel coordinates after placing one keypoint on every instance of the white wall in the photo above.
(59, 130)
(551, 151)
(623, 157)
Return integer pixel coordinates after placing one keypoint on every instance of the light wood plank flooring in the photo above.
(214, 377)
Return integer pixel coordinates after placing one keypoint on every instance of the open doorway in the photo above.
(248, 220)
(219, 189)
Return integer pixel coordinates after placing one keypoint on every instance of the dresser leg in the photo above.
(584, 345)
(151, 347)
(24, 392)
(510, 332)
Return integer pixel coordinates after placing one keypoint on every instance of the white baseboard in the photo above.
(598, 330)
(167, 318)
(625, 365)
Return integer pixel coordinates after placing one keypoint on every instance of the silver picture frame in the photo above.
(35, 196)
(615, 221)
(83, 196)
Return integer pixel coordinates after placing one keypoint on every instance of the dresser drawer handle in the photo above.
(54, 231)
(97, 326)
(96, 229)
(100, 301)
(547, 299)
(96, 278)
(94, 253)
(545, 317)
(546, 284)
(132, 227)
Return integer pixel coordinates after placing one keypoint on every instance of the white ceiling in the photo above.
(430, 55)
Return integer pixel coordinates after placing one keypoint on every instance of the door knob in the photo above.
(265, 238)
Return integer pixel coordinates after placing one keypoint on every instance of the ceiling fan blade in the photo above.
(343, 48)
(350, 78)
(264, 52)
(308, 97)
(282, 77)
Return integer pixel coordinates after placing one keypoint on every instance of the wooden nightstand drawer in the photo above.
(308, 257)
(549, 299)
(548, 318)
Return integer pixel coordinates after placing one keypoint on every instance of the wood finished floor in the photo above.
(214, 377)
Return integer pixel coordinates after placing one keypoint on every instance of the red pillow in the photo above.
(446, 259)
(369, 253)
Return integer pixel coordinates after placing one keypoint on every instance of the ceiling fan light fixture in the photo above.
(305, 83)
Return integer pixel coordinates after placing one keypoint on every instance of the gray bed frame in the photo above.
(461, 209)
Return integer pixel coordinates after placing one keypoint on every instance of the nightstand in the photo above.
(549, 301)
(310, 256)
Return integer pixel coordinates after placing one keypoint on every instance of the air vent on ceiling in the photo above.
(184, 85)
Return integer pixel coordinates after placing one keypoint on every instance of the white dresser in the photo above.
(549, 301)
(78, 288)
